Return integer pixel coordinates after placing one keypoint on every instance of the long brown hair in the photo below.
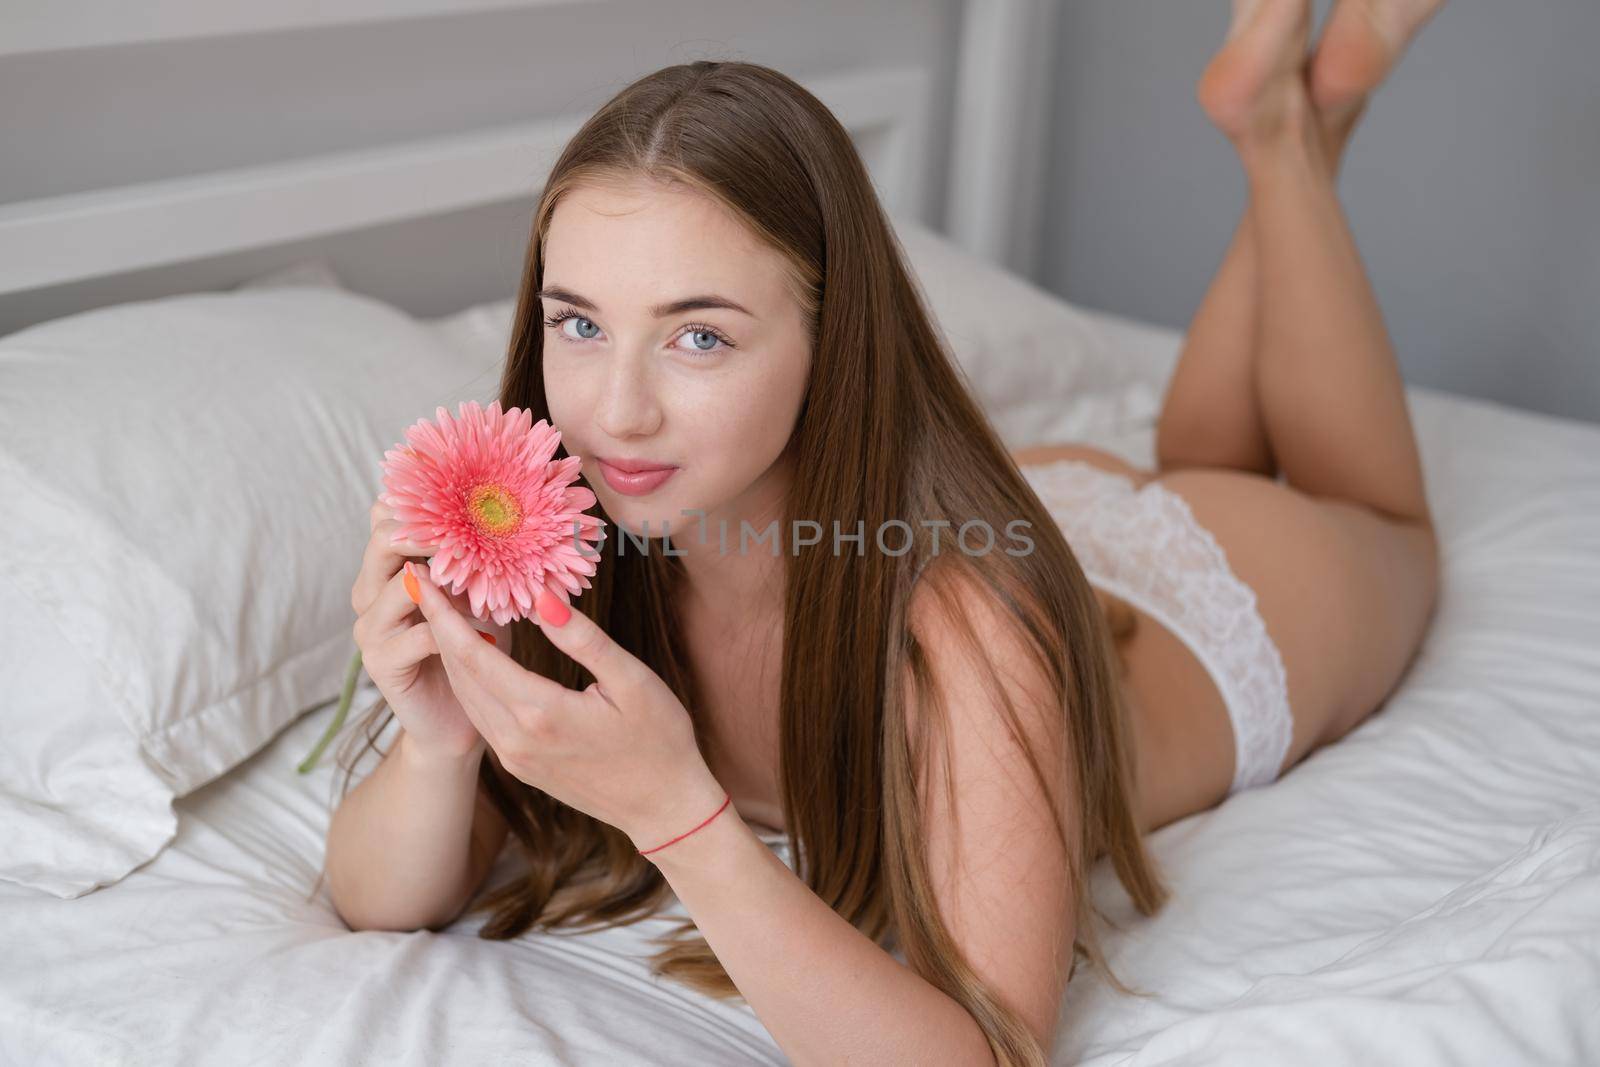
(889, 431)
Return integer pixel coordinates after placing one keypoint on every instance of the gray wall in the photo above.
(98, 117)
(1473, 187)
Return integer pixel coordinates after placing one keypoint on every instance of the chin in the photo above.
(632, 514)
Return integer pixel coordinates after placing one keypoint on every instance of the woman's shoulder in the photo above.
(950, 596)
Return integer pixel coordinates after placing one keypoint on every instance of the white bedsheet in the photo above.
(1425, 891)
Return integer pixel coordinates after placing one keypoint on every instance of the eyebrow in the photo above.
(660, 311)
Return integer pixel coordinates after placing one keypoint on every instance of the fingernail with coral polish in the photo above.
(488, 637)
(552, 610)
(413, 590)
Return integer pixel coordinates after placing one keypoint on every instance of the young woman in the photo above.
(948, 733)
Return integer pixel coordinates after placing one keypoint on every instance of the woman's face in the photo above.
(639, 370)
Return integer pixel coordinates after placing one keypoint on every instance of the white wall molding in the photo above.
(52, 25)
(997, 164)
(49, 241)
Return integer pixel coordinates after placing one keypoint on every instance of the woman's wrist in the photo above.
(420, 758)
(691, 812)
(711, 853)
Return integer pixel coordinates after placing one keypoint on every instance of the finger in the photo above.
(393, 609)
(415, 644)
(494, 720)
(389, 529)
(482, 664)
(461, 602)
(388, 611)
(573, 632)
(483, 618)
(488, 629)
(369, 580)
(409, 647)
(485, 707)
(381, 561)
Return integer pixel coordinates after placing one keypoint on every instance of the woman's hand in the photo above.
(398, 650)
(622, 750)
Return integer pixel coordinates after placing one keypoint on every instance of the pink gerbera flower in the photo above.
(508, 522)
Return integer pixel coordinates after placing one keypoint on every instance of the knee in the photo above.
(1187, 440)
(1170, 445)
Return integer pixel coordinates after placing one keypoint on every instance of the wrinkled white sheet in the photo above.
(1425, 891)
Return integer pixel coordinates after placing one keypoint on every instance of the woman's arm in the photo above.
(624, 751)
(824, 990)
(409, 846)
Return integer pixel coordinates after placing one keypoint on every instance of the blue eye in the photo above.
(697, 333)
(560, 318)
(582, 323)
(704, 338)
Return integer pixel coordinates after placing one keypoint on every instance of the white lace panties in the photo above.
(1145, 546)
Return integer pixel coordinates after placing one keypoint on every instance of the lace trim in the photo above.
(1144, 545)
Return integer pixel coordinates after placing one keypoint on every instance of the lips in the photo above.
(634, 466)
(644, 478)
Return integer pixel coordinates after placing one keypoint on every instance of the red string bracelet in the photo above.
(725, 801)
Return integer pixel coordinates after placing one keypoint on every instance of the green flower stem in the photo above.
(346, 695)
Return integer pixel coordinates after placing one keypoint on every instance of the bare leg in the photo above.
(1212, 416)
(1331, 397)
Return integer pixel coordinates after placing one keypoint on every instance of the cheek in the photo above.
(746, 420)
(566, 397)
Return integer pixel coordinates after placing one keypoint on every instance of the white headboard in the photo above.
(903, 117)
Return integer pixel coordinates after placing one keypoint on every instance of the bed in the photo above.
(1425, 891)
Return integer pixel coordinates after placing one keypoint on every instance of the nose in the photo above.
(628, 406)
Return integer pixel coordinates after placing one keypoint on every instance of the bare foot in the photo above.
(1255, 83)
(1361, 42)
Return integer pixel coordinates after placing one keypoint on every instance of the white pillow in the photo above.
(187, 481)
(1044, 369)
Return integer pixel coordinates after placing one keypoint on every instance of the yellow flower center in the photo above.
(494, 509)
